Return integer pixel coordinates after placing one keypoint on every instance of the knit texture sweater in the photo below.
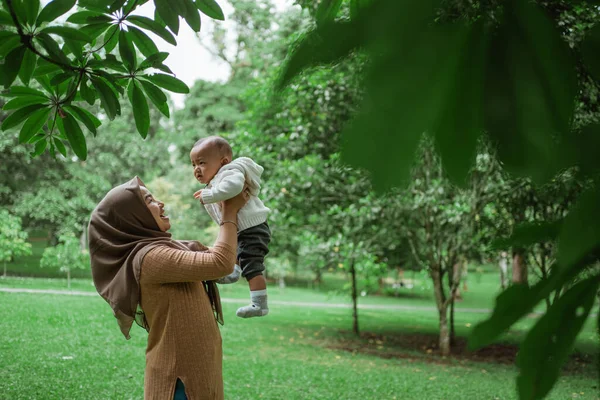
(184, 340)
(228, 183)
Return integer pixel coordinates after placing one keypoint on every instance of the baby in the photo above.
(224, 177)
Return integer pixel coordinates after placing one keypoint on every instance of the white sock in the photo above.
(258, 306)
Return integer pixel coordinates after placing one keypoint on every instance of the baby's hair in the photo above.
(221, 144)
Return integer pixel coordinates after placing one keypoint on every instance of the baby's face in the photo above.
(206, 161)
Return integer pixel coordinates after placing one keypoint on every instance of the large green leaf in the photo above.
(96, 5)
(154, 27)
(142, 42)
(95, 30)
(167, 13)
(52, 48)
(141, 113)
(327, 10)
(68, 33)
(127, 51)
(55, 9)
(31, 9)
(88, 17)
(530, 92)
(549, 343)
(86, 117)
(153, 61)
(28, 66)
(158, 98)
(528, 233)
(580, 233)
(590, 47)
(9, 41)
(40, 146)
(168, 82)
(24, 101)
(68, 126)
(111, 38)
(192, 15)
(210, 8)
(108, 98)
(5, 18)
(33, 124)
(116, 5)
(19, 116)
(12, 65)
(60, 146)
(86, 92)
(15, 91)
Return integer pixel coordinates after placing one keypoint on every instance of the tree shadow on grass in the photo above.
(423, 347)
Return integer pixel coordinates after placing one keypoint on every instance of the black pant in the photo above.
(252, 248)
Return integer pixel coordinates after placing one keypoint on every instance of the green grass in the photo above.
(294, 353)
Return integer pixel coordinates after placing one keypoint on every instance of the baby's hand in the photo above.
(198, 196)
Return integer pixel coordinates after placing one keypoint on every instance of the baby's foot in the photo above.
(232, 277)
(251, 311)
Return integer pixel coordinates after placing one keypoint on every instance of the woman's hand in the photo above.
(235, 204)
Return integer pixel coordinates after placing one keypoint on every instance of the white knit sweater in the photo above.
(229, 182)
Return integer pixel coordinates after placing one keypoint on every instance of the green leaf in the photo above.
(96, 5)
(529, 233)
(71, 129)
(327, 10)
(116, 5)
(88, 17)
(12, 65)
(9, 42)
(31, 9)
(357, 7)
(54, 9)
(86, 92)
(166, 12)
(28, 66)
(168, 82)
(52, 48)
(192, 15)
(83, 115)
(40, 146)
(111, 38)
(142, 42)
(33, 124)
(20, 10)
(156, 28)
(324, 45)
(60, 78)
(23, 101)
(108, 98)
(95, 30)
(590, 47)
(579, 235)
(210, 8)
(19, 116)
(60, 146)
(76, 48)
(126, 51)
(141, 113)
(45, 68)
(153, 61)
(530, 92)
(132, 4)
(36, 138)
(77, 35)
(15, 91)
(549, 343)
(5, 18)
(158, 98)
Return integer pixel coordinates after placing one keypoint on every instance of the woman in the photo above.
(135, 262)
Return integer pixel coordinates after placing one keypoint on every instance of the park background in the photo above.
(373, 292)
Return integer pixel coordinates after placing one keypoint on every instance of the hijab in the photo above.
(121, 231)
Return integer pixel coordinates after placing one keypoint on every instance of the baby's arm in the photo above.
(231, 185)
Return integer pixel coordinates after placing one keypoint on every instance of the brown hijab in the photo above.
(121, 232)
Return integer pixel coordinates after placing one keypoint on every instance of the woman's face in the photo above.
(157, 209)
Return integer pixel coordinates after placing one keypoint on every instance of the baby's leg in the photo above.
(252, 250)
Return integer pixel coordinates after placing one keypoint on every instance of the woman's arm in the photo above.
(167, 265)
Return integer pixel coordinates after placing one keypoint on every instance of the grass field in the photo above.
(69, 347)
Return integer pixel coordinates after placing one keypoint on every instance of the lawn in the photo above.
(69, 347)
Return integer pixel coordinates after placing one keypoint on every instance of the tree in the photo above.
(485, 65)
(60, 66)
(13, 240)
(66, 256)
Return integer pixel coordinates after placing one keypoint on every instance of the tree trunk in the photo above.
(4, 269)
(354, 300)
(503, 265)
(281, 282)
(69, 279)
(519, 269)
(440, 299)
